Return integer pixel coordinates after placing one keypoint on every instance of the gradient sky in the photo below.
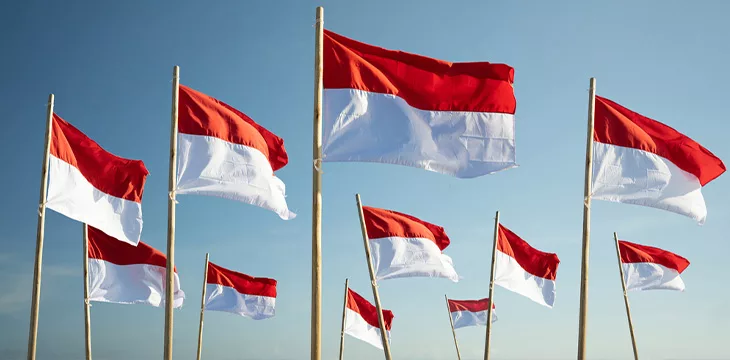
(110, 63)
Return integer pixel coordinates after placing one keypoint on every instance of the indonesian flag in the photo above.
(650, 268)
(125, 274)
(405, 246)
(470, 312)
(393, 107)
(524, 269)
(637, 160)
(233, 292)
(94, 186)
(361, 320)
(224, 153)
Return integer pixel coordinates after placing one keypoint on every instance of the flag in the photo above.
(361, 320)
(125, 274)
(470, 312)
(524, 269)
(93, 186)
(233, 292)
(224, 153)
(637, 160)
(405, 246)
(650, 268)
(393, 107)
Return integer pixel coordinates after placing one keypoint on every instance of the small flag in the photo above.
(405, 246)
(470, 312)
(637, 160)
(650, 268)
(224, 153)
(524, 269)
(361, 320)
(125, 274)
(93, 186)
(393, 107)
(237, 293)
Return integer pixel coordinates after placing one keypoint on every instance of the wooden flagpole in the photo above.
(40, 231)
(87, 315)
(453, 331)
(491, 288)
(202, 307)
(626, 299)
(170, 281)
(373, 282)
(316, 335)
(583, 316)
(344, 312)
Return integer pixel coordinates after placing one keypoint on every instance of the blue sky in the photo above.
(110, 65)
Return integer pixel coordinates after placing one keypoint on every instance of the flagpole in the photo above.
(170, 281)
(202, 307)
(87, 315)
(373, 282)
(626, 299)
(453, 331)
(583, 316)
(316, 335)
(40, 231)
(344, 312)
(491, 288)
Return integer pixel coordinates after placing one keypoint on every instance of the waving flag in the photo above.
(361, 320)
(470, 312)
(241, 294)
(650, 268)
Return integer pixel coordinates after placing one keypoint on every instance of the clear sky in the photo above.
(110, 63)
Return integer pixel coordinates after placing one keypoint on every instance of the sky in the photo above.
(109, 65)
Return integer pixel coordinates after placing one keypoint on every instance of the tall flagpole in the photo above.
(202, 307)
(170, 281)
(453, 331)
(316, 335)
(491, 288)
(626, 299)
(40, 231)
(87, 315)
(583, 316)
(373, 282)
(344, 312)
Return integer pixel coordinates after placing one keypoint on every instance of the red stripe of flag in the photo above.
(533, 261)
(383, 223)
(243, 283)
(368, 311)
(636, 253)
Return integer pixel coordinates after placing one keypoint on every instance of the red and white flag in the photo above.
(361, 320)
(650, 268)
(405, 246)
(470, 312)
(125, 274)
(637, 160)
(94, 186)
(394, 107)
(524, 269)
(233, 292)
(224, 153)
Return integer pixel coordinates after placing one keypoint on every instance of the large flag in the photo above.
(393, 107)
(125, 274)
(524, 269)
(94, 186)
(637, 160)
(405, 246)
(470, 312)
(224, 153)
(650, 268)
(361, 320)
(233, 292)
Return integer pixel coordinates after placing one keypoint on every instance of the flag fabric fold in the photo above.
(405, 246)
(222, 152)
(91, 185)
(470, 312)
(361, 320)
(125, 274)
(241, 294)
(650, 268)
(394, 107)
(637, 160)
